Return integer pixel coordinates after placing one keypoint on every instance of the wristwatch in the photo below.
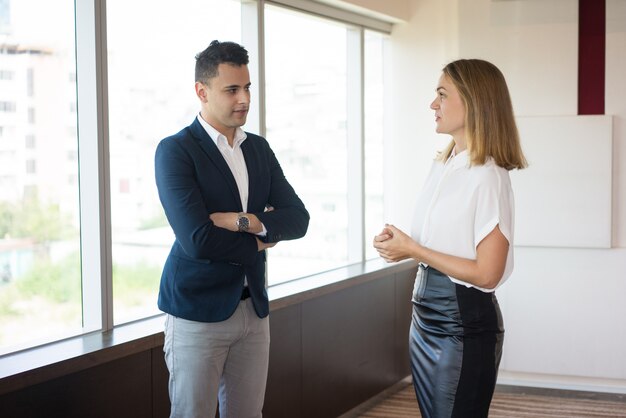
(243, 223)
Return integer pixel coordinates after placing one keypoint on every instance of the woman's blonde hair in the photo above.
(490, 127)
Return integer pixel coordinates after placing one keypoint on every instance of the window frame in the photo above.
(94, 173)
(94, 167)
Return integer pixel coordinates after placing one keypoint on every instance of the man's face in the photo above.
(226, 98)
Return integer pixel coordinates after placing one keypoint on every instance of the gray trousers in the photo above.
(227, 359)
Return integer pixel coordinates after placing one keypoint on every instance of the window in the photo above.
(321, 113)
(30, 141)
(374, 135)
(40, 282)
(6, 75)
(306, 107)
(148, 101)
(7, 106)
(30, 80)
(4, 16)
(31, 166)
(314, 104)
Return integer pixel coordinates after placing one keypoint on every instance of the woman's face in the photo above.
(449, 110)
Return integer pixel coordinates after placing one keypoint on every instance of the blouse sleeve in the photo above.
(494, 205)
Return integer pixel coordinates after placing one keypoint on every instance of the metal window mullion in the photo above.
(94, 172)
(253, 39)
(356, 144)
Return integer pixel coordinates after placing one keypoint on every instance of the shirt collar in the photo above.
(458, 159)
(215, 135)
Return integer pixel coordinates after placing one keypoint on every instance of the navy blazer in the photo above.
(203, 276)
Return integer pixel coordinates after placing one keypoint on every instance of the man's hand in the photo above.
(264, 245)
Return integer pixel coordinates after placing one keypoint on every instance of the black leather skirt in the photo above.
(455, 344)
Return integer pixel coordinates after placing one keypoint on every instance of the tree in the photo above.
(30, 218)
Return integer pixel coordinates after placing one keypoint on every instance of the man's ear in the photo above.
(201, 91)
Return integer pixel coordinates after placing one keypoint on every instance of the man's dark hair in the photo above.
(218, 53)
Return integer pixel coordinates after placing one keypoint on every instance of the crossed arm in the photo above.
(486, 271)
(213, 236)
(228, 220)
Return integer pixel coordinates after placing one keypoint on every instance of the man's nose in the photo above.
(244, 96)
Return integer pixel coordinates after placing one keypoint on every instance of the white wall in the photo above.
(420, 48)
(564, 309)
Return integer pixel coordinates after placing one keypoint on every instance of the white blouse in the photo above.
(460, 205)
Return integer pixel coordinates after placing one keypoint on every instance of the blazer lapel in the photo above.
(214, 154)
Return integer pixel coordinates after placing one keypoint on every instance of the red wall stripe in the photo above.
(591, 56)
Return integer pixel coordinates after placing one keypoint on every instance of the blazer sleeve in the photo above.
(289, 219)
(187, 214)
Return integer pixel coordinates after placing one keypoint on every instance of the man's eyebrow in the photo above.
(236, 86)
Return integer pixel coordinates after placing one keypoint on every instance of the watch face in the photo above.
(243, 223)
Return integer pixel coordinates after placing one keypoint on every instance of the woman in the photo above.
(462, 237)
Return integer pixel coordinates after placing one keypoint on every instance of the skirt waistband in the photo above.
(443, 306)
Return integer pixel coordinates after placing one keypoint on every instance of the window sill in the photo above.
(29, 367)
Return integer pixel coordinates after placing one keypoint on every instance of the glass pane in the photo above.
(306, 127)
(374, 135)
(151, 96)
(40, 281)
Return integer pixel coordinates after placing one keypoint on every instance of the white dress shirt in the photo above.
(233, 156)
(460, 205)
(235, 160)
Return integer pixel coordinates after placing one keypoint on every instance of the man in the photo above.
(227, 200)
